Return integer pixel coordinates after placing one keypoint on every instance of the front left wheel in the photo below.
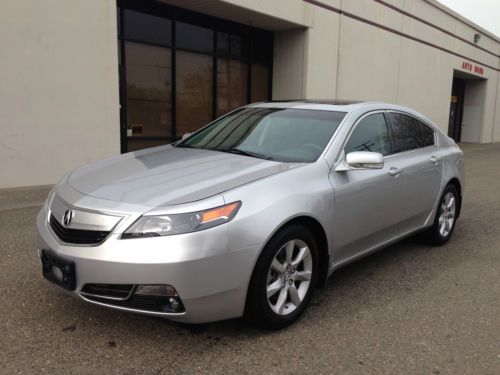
(284, 278)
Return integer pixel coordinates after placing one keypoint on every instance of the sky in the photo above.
(485, 13)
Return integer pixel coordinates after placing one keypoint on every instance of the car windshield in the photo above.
(285, 135)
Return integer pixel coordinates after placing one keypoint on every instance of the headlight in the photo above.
(167, 225)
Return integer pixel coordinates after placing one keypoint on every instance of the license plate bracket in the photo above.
(58, 270)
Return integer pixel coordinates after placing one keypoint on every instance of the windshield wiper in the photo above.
(238, 151)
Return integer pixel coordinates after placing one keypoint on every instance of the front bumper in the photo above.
(210, 279)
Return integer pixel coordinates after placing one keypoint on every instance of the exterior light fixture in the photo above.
(477, 37)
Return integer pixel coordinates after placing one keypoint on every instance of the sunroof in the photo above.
(319, 101)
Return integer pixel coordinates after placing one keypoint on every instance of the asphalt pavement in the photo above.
(408, 309)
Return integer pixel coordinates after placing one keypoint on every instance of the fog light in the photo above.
(57, 273)
(156, 290)
(174, 304)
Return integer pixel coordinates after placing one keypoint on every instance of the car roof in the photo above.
(328, 105)
(336, 105)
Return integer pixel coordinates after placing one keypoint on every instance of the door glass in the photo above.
(194, 91)
(370, 134)
(149, 90)
(231, 85)
(427, 135)
(405, 133)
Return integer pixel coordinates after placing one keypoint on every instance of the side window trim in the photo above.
(389, 121)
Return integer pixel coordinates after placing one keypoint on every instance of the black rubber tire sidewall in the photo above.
(434, 235)
(258, 310)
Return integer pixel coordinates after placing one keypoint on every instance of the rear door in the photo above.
(416, 153)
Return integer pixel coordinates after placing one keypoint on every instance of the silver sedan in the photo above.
(250, 214)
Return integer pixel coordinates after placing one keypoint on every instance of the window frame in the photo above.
(249, 35)
(417, 149)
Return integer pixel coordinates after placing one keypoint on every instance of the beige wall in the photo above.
(337, 56)
(59, 104)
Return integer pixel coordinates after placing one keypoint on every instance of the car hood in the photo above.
(168, 175)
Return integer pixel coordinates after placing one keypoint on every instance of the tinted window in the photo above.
(231, 45)
(408, 133)
(231, 85)
(194, 90)
(293, 135)
(427, 135)
(146, 28)
(195, 38)
(370, 134)
(148, 93)
(405, 133)
(260, 83)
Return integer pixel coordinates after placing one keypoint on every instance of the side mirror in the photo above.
(361, 160)
(185, 135)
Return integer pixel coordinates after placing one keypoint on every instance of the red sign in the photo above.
(472, 68)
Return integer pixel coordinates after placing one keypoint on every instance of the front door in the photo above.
(368, 202)
(456, 109)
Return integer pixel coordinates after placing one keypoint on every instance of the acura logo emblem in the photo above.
(67, 217)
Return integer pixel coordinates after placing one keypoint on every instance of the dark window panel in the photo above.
(262, 48)
(149, 72)
(371, 134)
(239, 47)
(148, 118)
(222, 44)
(427, 135)
(194, 79)
(231, 85)
(148, 91)
(405, 132)
(260, 83)
(194, 38)
(147, 28)
(119, 53)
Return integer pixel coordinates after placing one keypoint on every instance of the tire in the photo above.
(446, 217)
(290, 284)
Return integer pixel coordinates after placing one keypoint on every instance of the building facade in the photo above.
(84, 80)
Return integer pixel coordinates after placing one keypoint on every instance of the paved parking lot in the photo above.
(408, 309)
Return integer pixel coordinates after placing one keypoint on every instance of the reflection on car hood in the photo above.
(168, 175)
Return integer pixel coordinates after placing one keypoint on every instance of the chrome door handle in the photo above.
(395, 172)
(434, 160)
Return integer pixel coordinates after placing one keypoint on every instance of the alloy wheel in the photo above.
(447, 215)
(289, 277)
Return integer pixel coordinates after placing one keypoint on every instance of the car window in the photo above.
(405, 132)
(408, 133)
(371, 134)
(427, 134)
(281, 134)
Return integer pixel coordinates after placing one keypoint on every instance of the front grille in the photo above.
(77, 236)
(119, 291)
(140, 302)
